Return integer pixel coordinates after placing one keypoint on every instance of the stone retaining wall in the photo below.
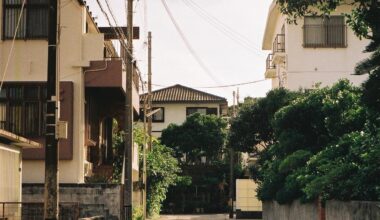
(93, 199)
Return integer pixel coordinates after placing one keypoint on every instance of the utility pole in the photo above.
(147, 111)
(231, 193)
(51, 145)
(150, 89)
(128, 138)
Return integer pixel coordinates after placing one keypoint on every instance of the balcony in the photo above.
(279, 49)
(270, 68)
(109, 75)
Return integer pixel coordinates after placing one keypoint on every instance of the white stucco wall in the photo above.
(305, 67)
(29, 63)
(175, 113)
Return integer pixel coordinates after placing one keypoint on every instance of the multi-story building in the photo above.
(316, 50)
(92, 85)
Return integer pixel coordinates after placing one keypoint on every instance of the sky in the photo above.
(226, 35)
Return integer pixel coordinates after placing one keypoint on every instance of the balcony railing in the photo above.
(325, 36)
(269, 62)
(279, 44)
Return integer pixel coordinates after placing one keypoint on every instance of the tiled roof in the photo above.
(179, 93)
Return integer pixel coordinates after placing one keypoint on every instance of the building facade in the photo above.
(314, 51)
(92, 85)
(177, 102)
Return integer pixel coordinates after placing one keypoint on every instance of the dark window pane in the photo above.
(32, 118)
(15, 93)
(15, 118)
(3, 92)
(212, 111)
(158, 116)
(3, 115)
(31, 92)
(11, 16)
(37, 22)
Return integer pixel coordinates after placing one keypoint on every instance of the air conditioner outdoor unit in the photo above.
(87, 168)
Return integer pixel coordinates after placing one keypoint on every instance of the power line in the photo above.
(188, 45)
(222, 86)
(223, 28)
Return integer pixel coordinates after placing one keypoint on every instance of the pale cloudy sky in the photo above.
(226, 58)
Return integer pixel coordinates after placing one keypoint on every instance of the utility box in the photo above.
(247, 204)
(62, 129)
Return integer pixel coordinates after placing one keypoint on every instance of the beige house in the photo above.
(315, 51)
(11, 168)
(92, 86)
(177, 102)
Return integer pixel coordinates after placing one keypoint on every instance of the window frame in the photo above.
(206, 108)
(27, 7)
(40, 101)
(163, 115)
(326, 27)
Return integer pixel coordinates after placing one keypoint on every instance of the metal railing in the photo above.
(35, 211)
(325, 36)
(279, 44)
(269, 62)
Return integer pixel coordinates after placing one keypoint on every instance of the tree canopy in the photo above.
(319, 138)
(200, 135)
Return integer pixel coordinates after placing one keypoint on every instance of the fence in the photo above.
(35, 211)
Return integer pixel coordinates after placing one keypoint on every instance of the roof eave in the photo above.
(273, 14)
(18, 141)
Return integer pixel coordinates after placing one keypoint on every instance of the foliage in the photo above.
(321, 147)
(118, 148)
(200, 135)
(138, 213)
(253, 125)
(162, 172)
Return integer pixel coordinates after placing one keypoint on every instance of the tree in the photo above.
(252, 129)
(200, 135)
(302, 129)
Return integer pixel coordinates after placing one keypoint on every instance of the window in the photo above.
(324, 32)
(22, 109)
(34, 19)
(201, 110)
(158, 116)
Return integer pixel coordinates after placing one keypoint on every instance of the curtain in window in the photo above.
(336, 29)
(314, 32)
(11, 15)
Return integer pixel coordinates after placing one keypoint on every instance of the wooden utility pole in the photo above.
(150, 89)
(128, 138)
(51, 210)
(231, 193)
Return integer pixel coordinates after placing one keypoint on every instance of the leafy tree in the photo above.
(302, 129)
(252, 129)
(162, 171)
(200, 135)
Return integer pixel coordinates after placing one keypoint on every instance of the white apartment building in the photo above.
(315, 51)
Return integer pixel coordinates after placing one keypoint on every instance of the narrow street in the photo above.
(197, 217)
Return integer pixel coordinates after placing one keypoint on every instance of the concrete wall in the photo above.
(93, 199)
(175, 113)
(334, 210)
(354, 210)
(275, 211)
